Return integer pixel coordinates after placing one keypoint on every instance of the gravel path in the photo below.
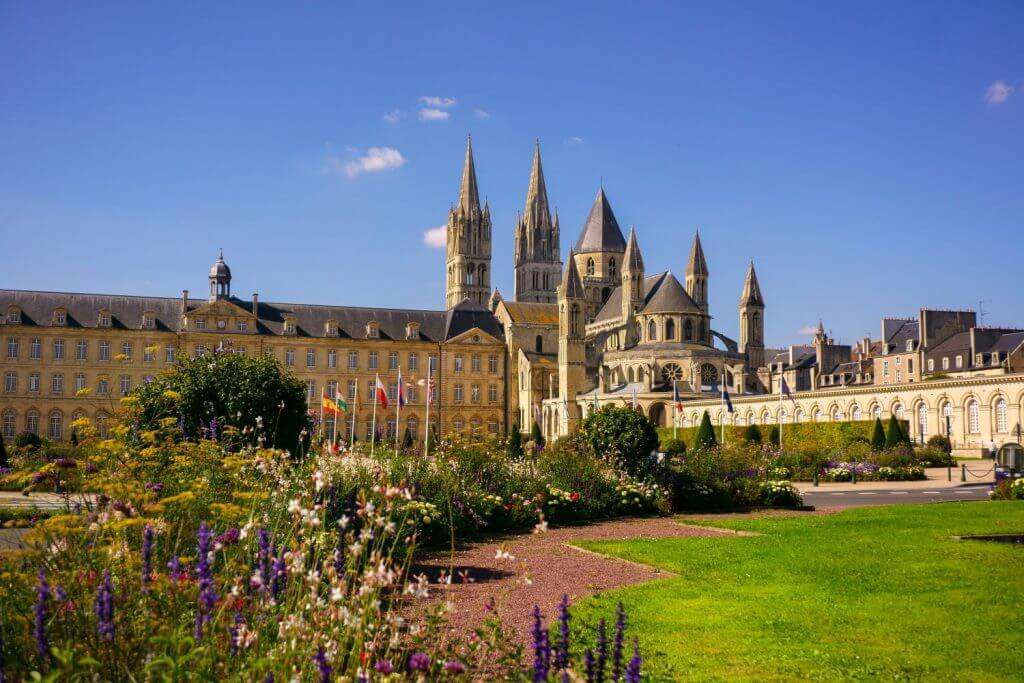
(544, 568)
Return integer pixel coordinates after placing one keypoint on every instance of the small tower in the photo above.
(468, 252)
(220, 279)
(752, 320)
(697, 274)
(572, 371)
(632, 287)
(537, 263)
(599, 251)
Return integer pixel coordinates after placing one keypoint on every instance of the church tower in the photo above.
(537, 262)
(632, 287)
(598, 254)
(697, 274)
(468, 257)
(752, 320)
(572, 370)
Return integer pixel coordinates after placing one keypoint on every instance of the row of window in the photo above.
(60, 349)
(57, 385)
(393, 361)
(670, 330)
(959, 361)
(55, 424)
(331, 387)
(59, 318)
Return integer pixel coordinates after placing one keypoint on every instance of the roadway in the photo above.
(847, 498)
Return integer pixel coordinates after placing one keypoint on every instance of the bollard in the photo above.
(815, 477)
(949, 473)
(853, 476)
(963, 472)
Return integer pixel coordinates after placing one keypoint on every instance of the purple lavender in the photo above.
(147, 556)
(204, 576)
(454, 666)
(620, 635)
(229, 537)
(175, 570)
(540, 671)
(602, 649)
(633, 669)
(419, 661)
(213, 429)
(42, 610)
(322, 667)
(263, 557)
(104, 608)
(280, 573)
(234, 631)
(562, 647)
(383, 667)
(589, 665)
(60, 595)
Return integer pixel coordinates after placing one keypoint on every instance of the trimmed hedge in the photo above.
(800, 436)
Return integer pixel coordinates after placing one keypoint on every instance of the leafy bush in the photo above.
(5, 461)
(804, 437)
(774, 436)
(752, 434)
(27, 441)
(878, 435)
(242, 400)
(1008, 489)
(514, 446)
(673, 447)
(940, 441)
(623, 437)
(705, 439)
(934, 456)
(780, 494)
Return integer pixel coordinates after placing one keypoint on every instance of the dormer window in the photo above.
(372, 330)
(241, 326)
(104, 319)
(910, 345)
(289, 325)
(60, 317)
(200, 323)
(13, 315)
(148, 320)
(331, 328)
(412, 330)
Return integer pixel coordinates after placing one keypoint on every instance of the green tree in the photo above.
(894, 436)
(407, 440)
(774, 437)
(250, 398)
(752, 434)
(5, 461)
(673, 447)
(535, 434)
(514, 449)
(705, 439)
(878, 436)
(621, 436)
(941, 442)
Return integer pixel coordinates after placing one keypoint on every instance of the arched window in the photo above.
(101, 424)
(798, 415)
(855, 413)
(783, 416)
(639, 334)
(590, 266)
(1000, 415)
(611, 267)
(816, 417)
(897, 410)
(630, 375)
(10, 424)
(922, 420)
(876, 411)
(574, 320)
(32, 422)
(413, 425)
(56, 430)
(535, 280)
(539, 344)
(482, 275)
(701, 336)
(755, 333)
(688, 330)
(973, 417)
(947, 418)
(652, 331)
(670, 330)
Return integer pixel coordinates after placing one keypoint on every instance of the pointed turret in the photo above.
(537, 192)
(632, 288)
(601, 232)
(536, 252)
(697, 265)
(751, 289)
(469, 195)
(572, 287)
(697, 274)
(633, 260)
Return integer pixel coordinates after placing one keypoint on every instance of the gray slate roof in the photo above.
(667, 295)
(601, 231)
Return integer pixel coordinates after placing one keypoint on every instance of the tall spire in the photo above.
(697, 265)
(633, 260)
(469, 196)
(572, 288)
(601, 231)
(751, 289)
(537, 193)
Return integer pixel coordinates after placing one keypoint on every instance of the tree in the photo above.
(878, 436)
(774, 436)
(27, 441)
(4, 460)
(752, 434)
(514, 449)
(74, 436)
(246, 399)
(673, 447)
(705, 439)
(894, 434)
(407, 440)
(535, 434)
(941, 442)
(622, 436)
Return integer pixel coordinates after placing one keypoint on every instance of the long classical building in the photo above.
(599, 328)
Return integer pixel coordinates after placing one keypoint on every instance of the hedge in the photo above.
(801, 436)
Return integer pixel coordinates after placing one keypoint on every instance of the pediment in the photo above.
(475, 335)
(221, 307)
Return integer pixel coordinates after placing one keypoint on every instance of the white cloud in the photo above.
(375, 160)
(431, 114)
(434, 101)
(808, 330)
(436, 237)
(482, 113)
(574, 141)
(394, 116)
(998, 93)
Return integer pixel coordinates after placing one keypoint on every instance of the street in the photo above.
(847, 498)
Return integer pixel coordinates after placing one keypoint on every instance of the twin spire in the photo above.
(469, 195)
(751, 289)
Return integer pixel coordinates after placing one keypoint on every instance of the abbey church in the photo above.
(604, 326)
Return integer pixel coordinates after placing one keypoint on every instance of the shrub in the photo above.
(940, 441)
(774, 437)
(779, 494)
(514, 447)
(752, 434)
(5, 461)
(27, 441)
(238, 399)
(705, 439)
(895, 436)
(934, 456)
(673, 447)
(878, 435)
(1008, 489)
(536, 435)
(623, 437)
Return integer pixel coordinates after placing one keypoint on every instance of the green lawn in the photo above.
(868, 592)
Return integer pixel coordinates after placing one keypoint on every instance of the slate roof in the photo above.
(667, 295)
(899, 332)
(601, 231)
(310, 319)
(957, 342)
(1008, 342)
(532, 313)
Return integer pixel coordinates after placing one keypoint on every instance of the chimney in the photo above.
(184, 301)
(255, 305)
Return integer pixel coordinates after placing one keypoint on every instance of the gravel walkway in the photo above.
(543, 567)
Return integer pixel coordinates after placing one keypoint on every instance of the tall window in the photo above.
(393, 360)
(492, 363)
(414, 361)
(352, 390)
(32, 421)
(126, 349)
(474, 393)
(931, 365)
(922, 420)
(57, 384)
(897, 410)
(670, 330)
(310, 390)
(58, 349)
(79, 382)
(126, 384)
(590, 266)
(492, 393)
(147, 354)
(959, 362)
(973, 417)
(10, 428)
(81, 350)
(103, 386)
(373, 360)
(332, 359)
(687, 330)
(457, 393)
(475, 362)
(353, 360)
(611, 267)
(35, 349)
(12, 347)
(432, 363)
(289, 357)
(10, 382)
(33, 381)
(332, 388)
(457, 364)
(1001, 416)
(652, 331)
(310, 358)
(56, 426)
(538, 344)
(169, 354)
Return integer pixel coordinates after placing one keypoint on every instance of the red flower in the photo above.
(363, 656)
(574, 497)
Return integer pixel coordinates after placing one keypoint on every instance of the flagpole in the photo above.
(782, 380)
(723, 406)
(398, 410)
(355, 405)
(675, 411)
(426, 428)
(334, 430)
(373, 418)
(321, 415)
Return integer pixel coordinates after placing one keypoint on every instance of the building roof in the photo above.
(531, 313)
(956, 342)
(697, 265)
(612, 308)
(572, 288)
(667, 295)
(600, 231)
(633, 259)
(310, 319)
(898, 332)
(1008, 342)
(469, 195)
(751, 289)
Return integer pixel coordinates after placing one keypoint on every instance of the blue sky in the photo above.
(866, 155)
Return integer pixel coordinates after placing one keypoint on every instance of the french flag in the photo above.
(381, 394)
(401, 390)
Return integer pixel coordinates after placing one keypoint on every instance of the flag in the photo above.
(341, 403)
(675, 396)
(328, 405)
(725, 397)
(401, 390)
(381, 394)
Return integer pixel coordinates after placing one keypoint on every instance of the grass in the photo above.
(868, 592)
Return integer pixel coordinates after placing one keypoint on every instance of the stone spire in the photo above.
(697, 274)
(697, 265)
(633, 260)
(571, 287)
(537, 193)
(469, 195)
(751, 289)
(536, 247)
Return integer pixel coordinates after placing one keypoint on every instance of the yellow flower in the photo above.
(182, 498)
(83, 392)
(172, 395)
(227, 511)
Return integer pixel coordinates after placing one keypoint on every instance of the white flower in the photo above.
(502, 554)
(294, 506)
